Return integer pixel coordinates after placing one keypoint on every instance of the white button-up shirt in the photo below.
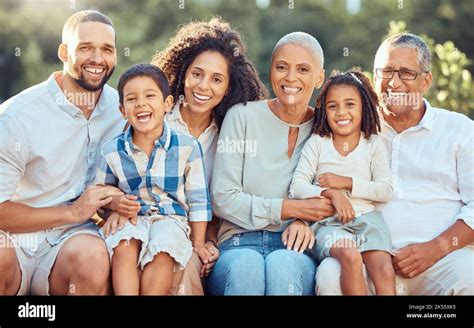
(49, 151)
(207, 139)
(432, 167)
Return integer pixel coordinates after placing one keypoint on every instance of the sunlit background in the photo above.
(348, 30)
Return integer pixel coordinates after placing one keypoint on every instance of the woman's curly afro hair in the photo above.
(194, 38)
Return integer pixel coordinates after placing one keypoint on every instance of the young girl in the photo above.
(346, 162)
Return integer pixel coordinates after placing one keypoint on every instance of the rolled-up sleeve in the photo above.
(465, 173)
(230, 201)
(13, 156)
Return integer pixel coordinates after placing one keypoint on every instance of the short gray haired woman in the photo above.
(262, 245)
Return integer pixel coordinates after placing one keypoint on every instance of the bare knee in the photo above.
(350, 258)
(87, 261)
(128, 249)
(163, 258)
(10, 274)
(8, 262)
(379, 265)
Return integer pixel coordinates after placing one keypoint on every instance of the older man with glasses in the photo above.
(431, 215)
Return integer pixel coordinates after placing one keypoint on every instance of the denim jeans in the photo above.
(257, 263)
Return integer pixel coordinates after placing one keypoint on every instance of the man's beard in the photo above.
(83, 83)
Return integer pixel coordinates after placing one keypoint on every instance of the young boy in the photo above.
(162, 174)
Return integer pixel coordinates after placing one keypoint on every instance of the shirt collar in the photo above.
(426, 121)
(428, 118)
(163, 141)
(65, 105)
(175, 115)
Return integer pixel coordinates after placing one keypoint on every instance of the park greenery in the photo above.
(30, 31)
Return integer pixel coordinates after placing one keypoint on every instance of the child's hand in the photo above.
(203, 253)
(114, 222)
(207, 267)
(345, 211)
(334, 181)
(125, 205)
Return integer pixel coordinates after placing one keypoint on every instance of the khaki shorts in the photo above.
(36, 268)
(188, 281)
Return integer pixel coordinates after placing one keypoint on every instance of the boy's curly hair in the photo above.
(370, 120)
(194, 38)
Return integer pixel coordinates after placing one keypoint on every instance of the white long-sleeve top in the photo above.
(367, 165)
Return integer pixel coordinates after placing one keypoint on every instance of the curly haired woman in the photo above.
(209, 72)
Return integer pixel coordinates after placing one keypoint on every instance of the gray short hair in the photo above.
(303, 39)
(408, 40)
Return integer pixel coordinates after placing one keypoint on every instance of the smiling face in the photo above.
(90, 55)
(294, 75)
(206, 82)
(401, 97)
(344, 110)
(144, 106)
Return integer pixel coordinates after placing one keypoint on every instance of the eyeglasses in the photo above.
(403, 74)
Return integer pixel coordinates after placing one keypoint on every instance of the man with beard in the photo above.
(50, 140)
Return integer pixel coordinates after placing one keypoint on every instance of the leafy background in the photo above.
(349, 31)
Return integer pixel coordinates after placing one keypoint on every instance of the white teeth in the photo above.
(201, 97)
(343, 122)
(397, 94)
(143, 117)
(291, 90)
(94, 70)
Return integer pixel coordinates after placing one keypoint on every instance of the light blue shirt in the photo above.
(49, 151)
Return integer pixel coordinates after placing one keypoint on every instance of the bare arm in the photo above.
(199, 233)
(455, 237)
(18, 218)
(212, 230)
(312, 209)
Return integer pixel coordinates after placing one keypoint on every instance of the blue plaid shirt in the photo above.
(169, 182)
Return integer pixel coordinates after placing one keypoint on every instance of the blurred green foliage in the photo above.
(30, 31)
